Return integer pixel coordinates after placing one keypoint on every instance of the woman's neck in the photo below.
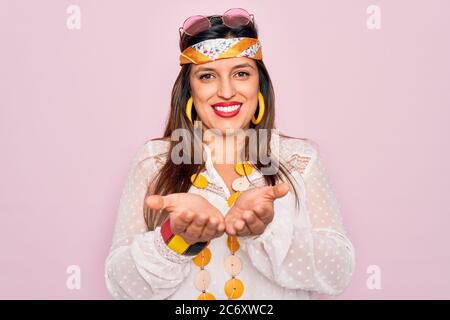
(225, 149)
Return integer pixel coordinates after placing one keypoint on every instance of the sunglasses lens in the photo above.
(236, 17)
(195, 24)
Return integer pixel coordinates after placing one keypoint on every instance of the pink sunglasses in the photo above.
(232, 18)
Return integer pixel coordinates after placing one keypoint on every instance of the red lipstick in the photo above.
(227, 109)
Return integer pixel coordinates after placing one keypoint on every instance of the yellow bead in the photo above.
(200, 182)
(234, 288)
(233, 198)
(203, 257)
(206, 296)
(233, 244)
(243, 169)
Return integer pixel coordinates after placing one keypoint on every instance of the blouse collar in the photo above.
(215, 177)
(212, 172)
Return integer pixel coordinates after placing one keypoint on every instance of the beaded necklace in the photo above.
(234, 288)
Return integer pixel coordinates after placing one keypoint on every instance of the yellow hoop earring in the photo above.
(261, 109)
(189, 109)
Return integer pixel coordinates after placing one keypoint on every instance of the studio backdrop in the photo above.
(83, 84)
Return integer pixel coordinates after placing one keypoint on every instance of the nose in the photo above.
(226, 89)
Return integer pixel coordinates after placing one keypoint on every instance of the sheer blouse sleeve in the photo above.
(139, 264)
(306, 249)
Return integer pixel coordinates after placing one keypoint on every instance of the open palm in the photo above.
(253, 210)
(191, 216)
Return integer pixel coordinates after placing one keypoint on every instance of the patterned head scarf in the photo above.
(221, 48)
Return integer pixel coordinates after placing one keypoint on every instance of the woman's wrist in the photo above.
(176, 242)
(259, 237)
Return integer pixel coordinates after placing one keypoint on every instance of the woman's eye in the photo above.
(206, 76)
(242, 74)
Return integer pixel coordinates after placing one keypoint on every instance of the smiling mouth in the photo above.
(227, 111)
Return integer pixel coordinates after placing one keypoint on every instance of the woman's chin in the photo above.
(228, 129)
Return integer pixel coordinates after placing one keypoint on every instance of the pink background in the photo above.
(75, 105)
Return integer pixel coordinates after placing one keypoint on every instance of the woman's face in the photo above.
(225, 92)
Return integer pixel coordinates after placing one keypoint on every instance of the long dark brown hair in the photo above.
(174, 178)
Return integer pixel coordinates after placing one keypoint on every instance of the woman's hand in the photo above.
(191, 216)
(253, 210)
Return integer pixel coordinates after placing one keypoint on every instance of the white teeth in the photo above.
(227, 109)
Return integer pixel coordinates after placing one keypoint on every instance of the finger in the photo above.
(158, 202)
(210, 228)
(181, 222)
(195, 228)
(279, 190)
(241, 228)
(220, 229)
(254, 224)
(155, 202)
(229, 227)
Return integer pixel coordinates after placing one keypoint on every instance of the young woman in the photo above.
(191, 226)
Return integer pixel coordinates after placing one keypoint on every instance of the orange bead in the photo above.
(233, 198)
(199, 181)
(234, 288)
(233, 244)
(243, 169)
(203, 257)
(206, 296)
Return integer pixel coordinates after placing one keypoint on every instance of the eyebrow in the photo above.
(242, 65)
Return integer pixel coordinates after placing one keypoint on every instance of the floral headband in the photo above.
(221, 48)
